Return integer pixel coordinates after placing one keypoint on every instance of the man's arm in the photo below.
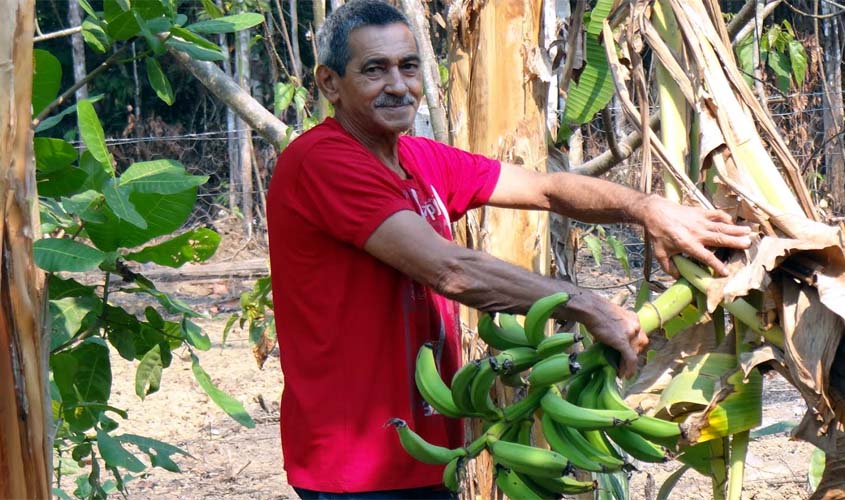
(674, 228)
(408, 243)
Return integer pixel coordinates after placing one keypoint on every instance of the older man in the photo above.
(365, 272)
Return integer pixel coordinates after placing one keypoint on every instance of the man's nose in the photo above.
(396, 82)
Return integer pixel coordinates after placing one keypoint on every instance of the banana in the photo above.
(557, 343)
(509, 323)
(636, 445)
(514, 486)
(589, 399)
(421, 449)
(528, 459)
(524, 434)
(461, 383)
(565, 485)
(480, 401)
(559, 440)
(525, 406)
(499, 337)
(656, 429)
(539, 313)
(572, 415)
(552, 370)
(516, 359)
(431, 386)
(576, 383)
(609, 396)
(452, 474)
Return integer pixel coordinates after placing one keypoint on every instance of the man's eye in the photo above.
(410, 66)
(372, 70)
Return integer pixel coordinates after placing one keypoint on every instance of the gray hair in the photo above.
(333, 36)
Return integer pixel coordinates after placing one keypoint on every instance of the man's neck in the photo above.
(384, 147)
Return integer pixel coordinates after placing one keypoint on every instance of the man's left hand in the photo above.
(678, 229)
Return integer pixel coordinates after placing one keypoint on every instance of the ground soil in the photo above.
(232, 462)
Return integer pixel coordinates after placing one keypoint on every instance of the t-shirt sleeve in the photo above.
(342, 191)
(467, 179)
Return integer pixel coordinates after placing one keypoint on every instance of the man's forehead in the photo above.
(393, 39)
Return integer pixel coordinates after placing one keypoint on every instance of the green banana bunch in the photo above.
(572, 415)
(528, 459)
(554, 369)
(588, 399)
(501, 337)
(421, 449)
(557, 343)
(516, 359)
(539, 313)
(525, 406)
(565, 485)
(431, 386)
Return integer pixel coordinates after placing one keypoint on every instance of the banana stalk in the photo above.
(739, 450)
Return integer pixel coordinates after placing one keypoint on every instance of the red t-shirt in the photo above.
(349, 326)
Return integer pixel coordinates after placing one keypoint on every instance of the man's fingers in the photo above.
(729, 229)
(707, 257)
(718, 216)
(628, 366)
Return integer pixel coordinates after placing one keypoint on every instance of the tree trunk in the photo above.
(74, 18)
(244, 131)
(319, 10)
(25, 418)
(294, 38)
(231, 125)
(498, 110)
(833, 116)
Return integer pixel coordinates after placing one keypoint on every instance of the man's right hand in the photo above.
(620, 329)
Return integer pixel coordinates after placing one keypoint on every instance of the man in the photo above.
(364, 270)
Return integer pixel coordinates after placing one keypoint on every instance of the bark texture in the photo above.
(25, 448)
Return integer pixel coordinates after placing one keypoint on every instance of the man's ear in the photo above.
(328, 81)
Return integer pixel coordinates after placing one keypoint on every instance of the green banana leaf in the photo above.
(713, 396)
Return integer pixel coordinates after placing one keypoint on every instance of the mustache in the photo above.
(392, 100)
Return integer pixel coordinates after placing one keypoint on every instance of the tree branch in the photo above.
(57, 34)
(244, 105)
(607, 160)
(431, 75)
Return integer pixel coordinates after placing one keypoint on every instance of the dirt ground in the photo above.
(232, 462)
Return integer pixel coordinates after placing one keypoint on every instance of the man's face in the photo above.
(381, 89)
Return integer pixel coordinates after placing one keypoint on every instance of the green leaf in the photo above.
(115, 455)
(117, 198)
(60, 254)
(158, 80)
(46, 79)
(158, 451)
(189, 36)
(92, 133)
(212, 9)
(594, 88)
(620, 253)
(160, 176)
(83, 375)
(113, 8)
(594, 245)
(814, 474)
(58, 183)
(228, 328)
(60, 288)
(83, 205)
(196, 337)
(148, 373)
(54, 120)
(282, 96)
(227, 24)
(158, 25)
(597, 16)
(98, 173)
(798, 61)
(170, 304)
(87, 8)
(164, 213)
(227, 403)
(194, 246)
(300, 97)
(95, 36)
(780, 65)
(53, 154)
(745, 58)
(148, 9)
(195, 51)
(688, 316)
(155, 44)
(124, 26)
(670, 482)
(66, 317)
(776, 428)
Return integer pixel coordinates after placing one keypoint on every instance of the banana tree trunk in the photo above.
(25, 419)
(497, 109)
